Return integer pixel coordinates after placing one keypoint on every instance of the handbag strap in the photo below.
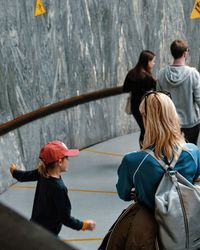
(161, 162)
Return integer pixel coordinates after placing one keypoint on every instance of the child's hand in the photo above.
(12, 168)
(88, 225)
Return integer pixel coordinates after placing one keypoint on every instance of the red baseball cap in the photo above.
(54, 151)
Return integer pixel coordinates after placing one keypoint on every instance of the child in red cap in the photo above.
(52, 206)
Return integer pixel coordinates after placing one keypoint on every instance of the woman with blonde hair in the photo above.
(161, 125)
(139, 173)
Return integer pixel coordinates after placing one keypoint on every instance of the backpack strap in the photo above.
(139, 167)
(161, 162)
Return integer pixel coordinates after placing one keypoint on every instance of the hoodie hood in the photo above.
(176, 75)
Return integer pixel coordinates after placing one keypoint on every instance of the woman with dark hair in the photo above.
(138, 81)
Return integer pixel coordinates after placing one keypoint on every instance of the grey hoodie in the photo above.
(183, 82)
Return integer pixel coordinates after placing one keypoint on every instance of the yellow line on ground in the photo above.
(92, 191)
(73, 190)
(85, 239)
(101, 153)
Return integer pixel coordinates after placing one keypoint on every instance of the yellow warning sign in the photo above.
(39, 8)
(196, 10)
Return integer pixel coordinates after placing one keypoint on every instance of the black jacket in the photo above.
(51, 207)
(138, 86)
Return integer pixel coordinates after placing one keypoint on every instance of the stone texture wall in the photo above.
(78, 46)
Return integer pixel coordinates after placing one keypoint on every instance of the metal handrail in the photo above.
(56, 107)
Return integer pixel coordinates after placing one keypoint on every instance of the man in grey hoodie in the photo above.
(183, 82)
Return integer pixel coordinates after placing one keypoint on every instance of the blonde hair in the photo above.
(162, 125)
(43, 169)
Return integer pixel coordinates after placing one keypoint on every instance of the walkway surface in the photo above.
(91, 182)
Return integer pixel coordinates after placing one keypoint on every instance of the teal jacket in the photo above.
(141, 171)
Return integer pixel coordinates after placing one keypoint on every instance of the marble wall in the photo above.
(78, 46)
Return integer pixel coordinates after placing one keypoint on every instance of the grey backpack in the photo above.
(177, 210)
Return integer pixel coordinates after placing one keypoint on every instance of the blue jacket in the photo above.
(141, 171)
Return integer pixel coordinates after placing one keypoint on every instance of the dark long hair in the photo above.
(142, 64)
